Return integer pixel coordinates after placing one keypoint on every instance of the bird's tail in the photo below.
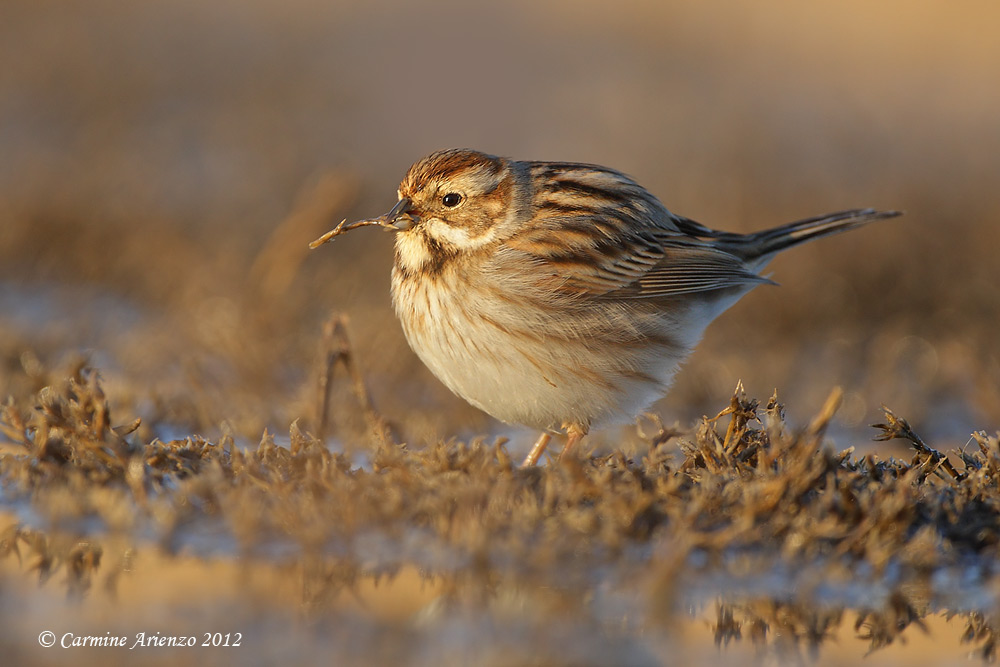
(763, 245)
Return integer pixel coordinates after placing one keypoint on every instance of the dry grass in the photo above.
(746, 499)
(163, 166)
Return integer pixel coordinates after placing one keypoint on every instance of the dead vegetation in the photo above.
(743, 497)
(164, 168)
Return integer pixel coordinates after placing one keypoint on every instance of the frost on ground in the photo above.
(766, 524)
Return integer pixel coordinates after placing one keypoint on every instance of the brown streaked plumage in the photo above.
(562, 295)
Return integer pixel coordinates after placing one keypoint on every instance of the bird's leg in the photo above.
(536, 451)
(574, 434)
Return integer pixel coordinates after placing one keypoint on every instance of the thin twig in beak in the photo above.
(388, 221)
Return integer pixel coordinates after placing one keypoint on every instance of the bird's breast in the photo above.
(523, 360)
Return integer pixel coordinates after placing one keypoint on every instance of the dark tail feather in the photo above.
(770, 241)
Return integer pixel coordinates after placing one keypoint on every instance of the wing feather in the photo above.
(596, 233)
(638, 263)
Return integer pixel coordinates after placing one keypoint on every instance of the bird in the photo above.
(562, 295)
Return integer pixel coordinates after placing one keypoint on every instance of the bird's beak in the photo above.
(400, 217)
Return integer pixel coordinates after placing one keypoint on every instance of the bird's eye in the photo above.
(452, 199)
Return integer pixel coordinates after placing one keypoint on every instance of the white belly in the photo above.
(535, 366)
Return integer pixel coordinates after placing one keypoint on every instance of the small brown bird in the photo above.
(561, 295)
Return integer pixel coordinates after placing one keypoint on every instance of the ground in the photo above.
(207, 428)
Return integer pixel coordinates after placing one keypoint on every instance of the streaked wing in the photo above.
(687, 269)
(597, 233)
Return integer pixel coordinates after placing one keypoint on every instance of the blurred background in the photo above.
(164, 163)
